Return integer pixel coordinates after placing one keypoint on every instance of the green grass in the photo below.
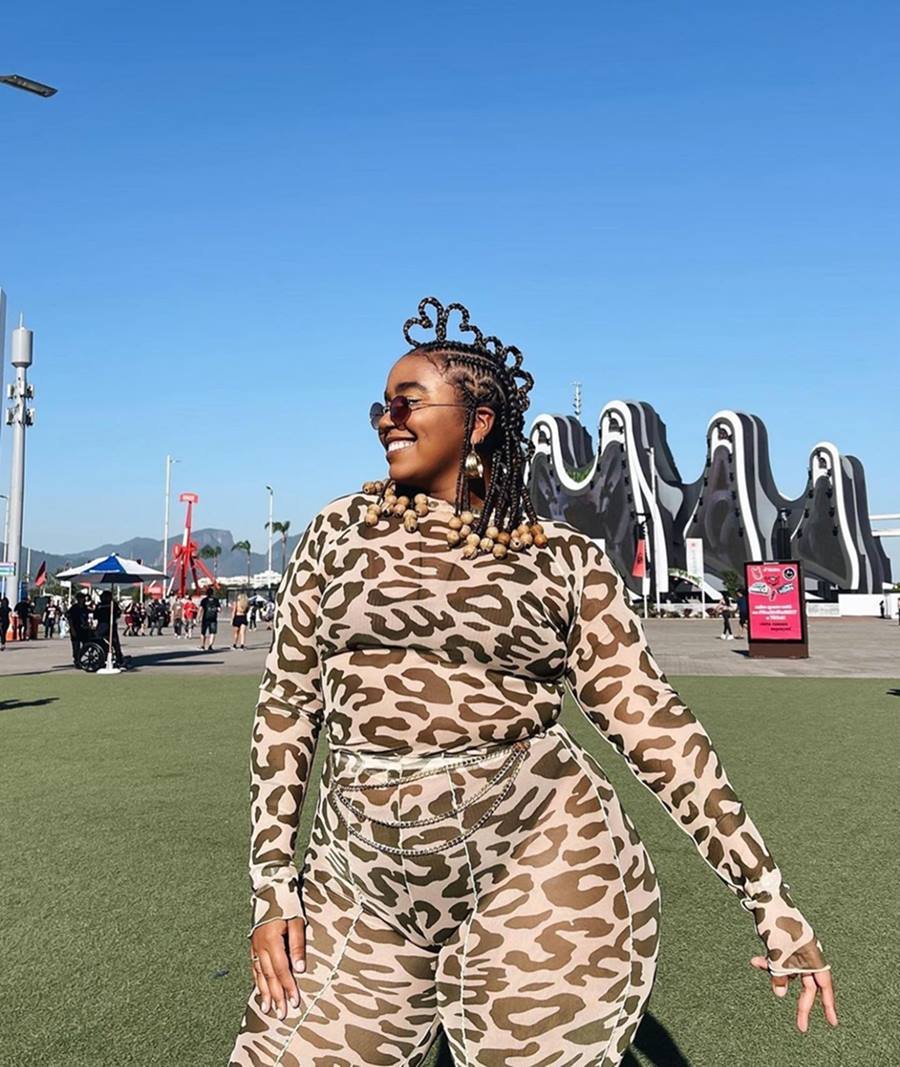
(125, 899)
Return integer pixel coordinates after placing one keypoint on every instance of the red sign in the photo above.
(774, 601)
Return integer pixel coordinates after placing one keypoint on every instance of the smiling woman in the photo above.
(470, 866)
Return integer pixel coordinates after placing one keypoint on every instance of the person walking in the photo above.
(5, 614)
(209, 621)
(189, 614)
(470, 866)
(239, 621)
(726, 612)
(178, 616)
(22, 620)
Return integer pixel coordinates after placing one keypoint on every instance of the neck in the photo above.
(445, 489)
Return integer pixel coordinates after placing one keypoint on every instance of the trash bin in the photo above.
(33, 623)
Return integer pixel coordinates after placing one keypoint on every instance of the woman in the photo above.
(469, 864)
(239, 620)
(726, 613)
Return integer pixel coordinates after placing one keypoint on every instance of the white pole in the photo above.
(22, 354)
(165, 557)
(5, 498)
(269, 550)
(656, 533)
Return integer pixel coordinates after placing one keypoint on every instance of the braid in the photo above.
(482, 377)
(482, 380)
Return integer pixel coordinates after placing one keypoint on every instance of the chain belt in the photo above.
(513, 762)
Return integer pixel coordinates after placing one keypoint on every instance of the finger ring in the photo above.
(253, 959)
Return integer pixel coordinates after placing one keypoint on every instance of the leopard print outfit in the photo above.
(469, 865)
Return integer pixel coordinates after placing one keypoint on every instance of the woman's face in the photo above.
(435, 434)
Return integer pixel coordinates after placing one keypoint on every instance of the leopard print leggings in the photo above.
(499, 892)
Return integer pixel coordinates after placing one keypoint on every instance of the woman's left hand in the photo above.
(812, 984)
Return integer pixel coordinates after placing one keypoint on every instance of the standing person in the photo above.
(78, 618)
(48, 621)
(239, 620)
(102, 627)
(209, 621)
(429, 622)
(23, 617)
(178, 616)
(743, 610)
(189, 612)
(5, 613)
(251, 617)
(726, 613)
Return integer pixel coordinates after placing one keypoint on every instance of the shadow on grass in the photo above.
(652, 1040)
(893, 692)
(13, 705)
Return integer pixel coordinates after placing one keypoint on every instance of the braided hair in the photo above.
(481, 380)
(482, 376)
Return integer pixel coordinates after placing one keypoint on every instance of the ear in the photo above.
(483, 424)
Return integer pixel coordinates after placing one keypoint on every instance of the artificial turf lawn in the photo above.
(125, 895)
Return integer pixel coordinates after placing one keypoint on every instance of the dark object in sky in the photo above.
(30, 86)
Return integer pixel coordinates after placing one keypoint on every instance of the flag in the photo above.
(41, 575)
(639, 569)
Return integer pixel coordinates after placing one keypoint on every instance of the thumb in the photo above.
(297, 944)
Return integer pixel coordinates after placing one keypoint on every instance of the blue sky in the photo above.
(220, 223)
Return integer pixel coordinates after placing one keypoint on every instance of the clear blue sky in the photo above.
(219, 224)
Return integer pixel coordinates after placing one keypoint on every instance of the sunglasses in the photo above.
(400, 408)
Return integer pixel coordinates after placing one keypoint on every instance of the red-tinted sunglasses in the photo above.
(400, 409)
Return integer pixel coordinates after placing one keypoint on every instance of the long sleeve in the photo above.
(286, 726)
(623, 692)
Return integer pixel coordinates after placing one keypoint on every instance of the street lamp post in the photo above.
(165, 550)
(269, 527)
(4, 497)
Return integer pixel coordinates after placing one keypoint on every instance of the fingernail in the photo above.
(265, 1005)
(294, 1002)
(780, 991)
(299, 965)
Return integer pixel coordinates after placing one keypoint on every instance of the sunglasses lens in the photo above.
(376, 414)
(400, 410)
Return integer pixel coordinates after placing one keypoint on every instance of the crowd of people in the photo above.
(89, 617)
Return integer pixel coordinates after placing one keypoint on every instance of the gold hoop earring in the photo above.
(473, 466)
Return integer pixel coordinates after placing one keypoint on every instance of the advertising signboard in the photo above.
(693, 549)
(776, 609)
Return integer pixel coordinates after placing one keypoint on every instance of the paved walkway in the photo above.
(839, 648)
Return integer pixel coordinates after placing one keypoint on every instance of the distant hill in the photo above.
(149, 549)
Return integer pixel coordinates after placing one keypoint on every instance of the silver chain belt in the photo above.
(514, 760)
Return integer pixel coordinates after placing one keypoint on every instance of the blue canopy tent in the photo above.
(111, 570)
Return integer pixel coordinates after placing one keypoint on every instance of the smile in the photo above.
(395, 446)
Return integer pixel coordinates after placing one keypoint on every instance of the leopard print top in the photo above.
(399, 644)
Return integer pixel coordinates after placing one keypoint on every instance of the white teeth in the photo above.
(395, 445)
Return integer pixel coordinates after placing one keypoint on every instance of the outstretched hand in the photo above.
(812, 985)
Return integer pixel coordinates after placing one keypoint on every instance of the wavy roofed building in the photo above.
(734, 505)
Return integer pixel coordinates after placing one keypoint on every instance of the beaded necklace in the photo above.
(495, 542)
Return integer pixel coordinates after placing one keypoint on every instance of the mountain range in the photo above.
(149, 550)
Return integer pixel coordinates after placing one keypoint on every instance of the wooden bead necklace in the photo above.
(495, 542)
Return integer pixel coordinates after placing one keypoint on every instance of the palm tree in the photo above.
(244, 546)
(282, 528)
(212, 552)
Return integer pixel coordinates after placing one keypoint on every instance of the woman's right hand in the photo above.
(277, 953)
